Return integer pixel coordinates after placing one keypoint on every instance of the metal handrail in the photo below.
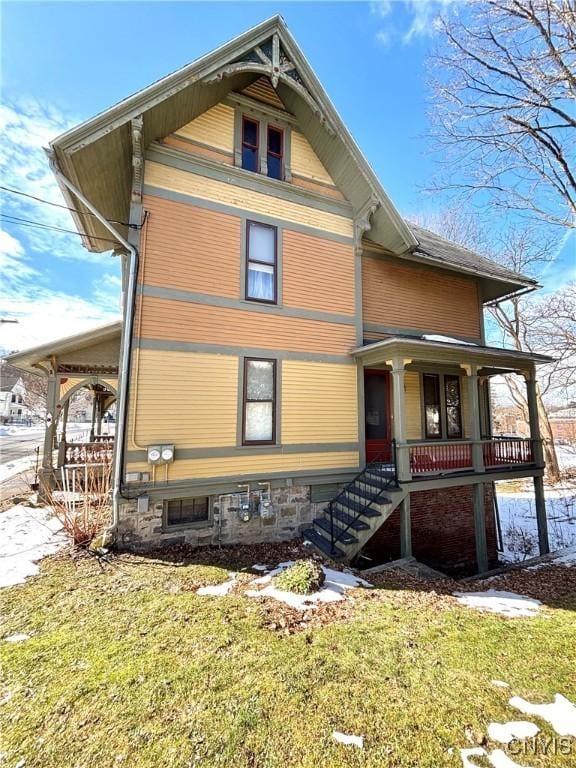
(371, 466)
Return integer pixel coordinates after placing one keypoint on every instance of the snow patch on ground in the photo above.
(500, 684)
(219, 589)
(561, 713)
(26, 536)
(517, 511)
(515, 729)
(344, 738)
(17, 638)
(505, 603)
(15, 467)
(333, 589)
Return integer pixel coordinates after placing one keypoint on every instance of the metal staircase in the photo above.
(356, 513)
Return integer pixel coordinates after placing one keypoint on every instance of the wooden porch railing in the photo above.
(85, 453)
(449, 456)
(506, 451)
(427, 458)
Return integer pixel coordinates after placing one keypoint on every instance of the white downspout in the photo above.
(127, 338)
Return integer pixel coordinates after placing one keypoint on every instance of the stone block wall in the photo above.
(291, 512)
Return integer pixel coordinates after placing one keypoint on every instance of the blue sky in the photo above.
(64, 62)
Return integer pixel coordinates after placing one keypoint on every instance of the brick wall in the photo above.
(442, 530)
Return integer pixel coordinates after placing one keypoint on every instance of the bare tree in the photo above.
(504, 89)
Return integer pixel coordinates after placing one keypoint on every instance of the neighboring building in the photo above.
(13, 407)
(291, 330)
(563, 424)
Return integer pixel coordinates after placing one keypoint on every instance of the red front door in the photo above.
(377, 414)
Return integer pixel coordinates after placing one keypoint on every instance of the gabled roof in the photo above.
(495, 280)
(8, 380)
(97, 156)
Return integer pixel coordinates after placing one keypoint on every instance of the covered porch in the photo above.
(427, 407)
(86, 361)
(425, 410)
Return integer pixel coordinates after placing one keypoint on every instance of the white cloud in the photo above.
(33, 260)
(26, 126)
(422, 16)
(44, 315)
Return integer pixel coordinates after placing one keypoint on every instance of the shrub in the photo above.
(303, 577)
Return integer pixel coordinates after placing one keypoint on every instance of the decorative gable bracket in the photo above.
(363, 222)
(270, 59)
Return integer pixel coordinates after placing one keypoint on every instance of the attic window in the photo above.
(275, 152)
(250, 135)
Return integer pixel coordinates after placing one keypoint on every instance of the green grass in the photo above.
(129, 667)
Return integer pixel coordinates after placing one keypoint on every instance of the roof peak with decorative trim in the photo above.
(103, 144)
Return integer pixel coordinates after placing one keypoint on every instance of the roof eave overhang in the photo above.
(27, 359)
(446, 352)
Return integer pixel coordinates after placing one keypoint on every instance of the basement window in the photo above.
(187, 511)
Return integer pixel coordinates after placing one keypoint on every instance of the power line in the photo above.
(65, 207)
(38, 225)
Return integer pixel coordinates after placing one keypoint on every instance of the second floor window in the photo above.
(261, 262)
(275, 153)
(453, 406)
(250, 144)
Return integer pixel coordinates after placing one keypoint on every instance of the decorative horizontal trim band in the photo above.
(245, 306)
(245, 213)
(207, 486)
(412, 332)
(167, 345)
(248, 450)
(202, 166)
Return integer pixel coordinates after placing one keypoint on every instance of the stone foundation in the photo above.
(291, 511)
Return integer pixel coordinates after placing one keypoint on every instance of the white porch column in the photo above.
(398, 366)
(538, 453)
(474, 426)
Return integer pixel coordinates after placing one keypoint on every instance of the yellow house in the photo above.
(296, 358)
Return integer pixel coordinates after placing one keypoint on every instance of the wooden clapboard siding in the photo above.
(187, 321)
(314, 186)
(189, 399)
(262, 90)
(191, 248)
(305, 162)
(215, 128)
(414, 296)
(194, 148)
(413, 406)
(245, 465)
(317, 274)
(319, 402)
(176, 180)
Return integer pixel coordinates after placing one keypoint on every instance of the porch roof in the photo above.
(92, 349)
(455, 352)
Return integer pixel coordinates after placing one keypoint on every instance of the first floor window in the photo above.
(453, 406)
(259, 408)
(261, 247)
(186, 511)
(432, 405)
